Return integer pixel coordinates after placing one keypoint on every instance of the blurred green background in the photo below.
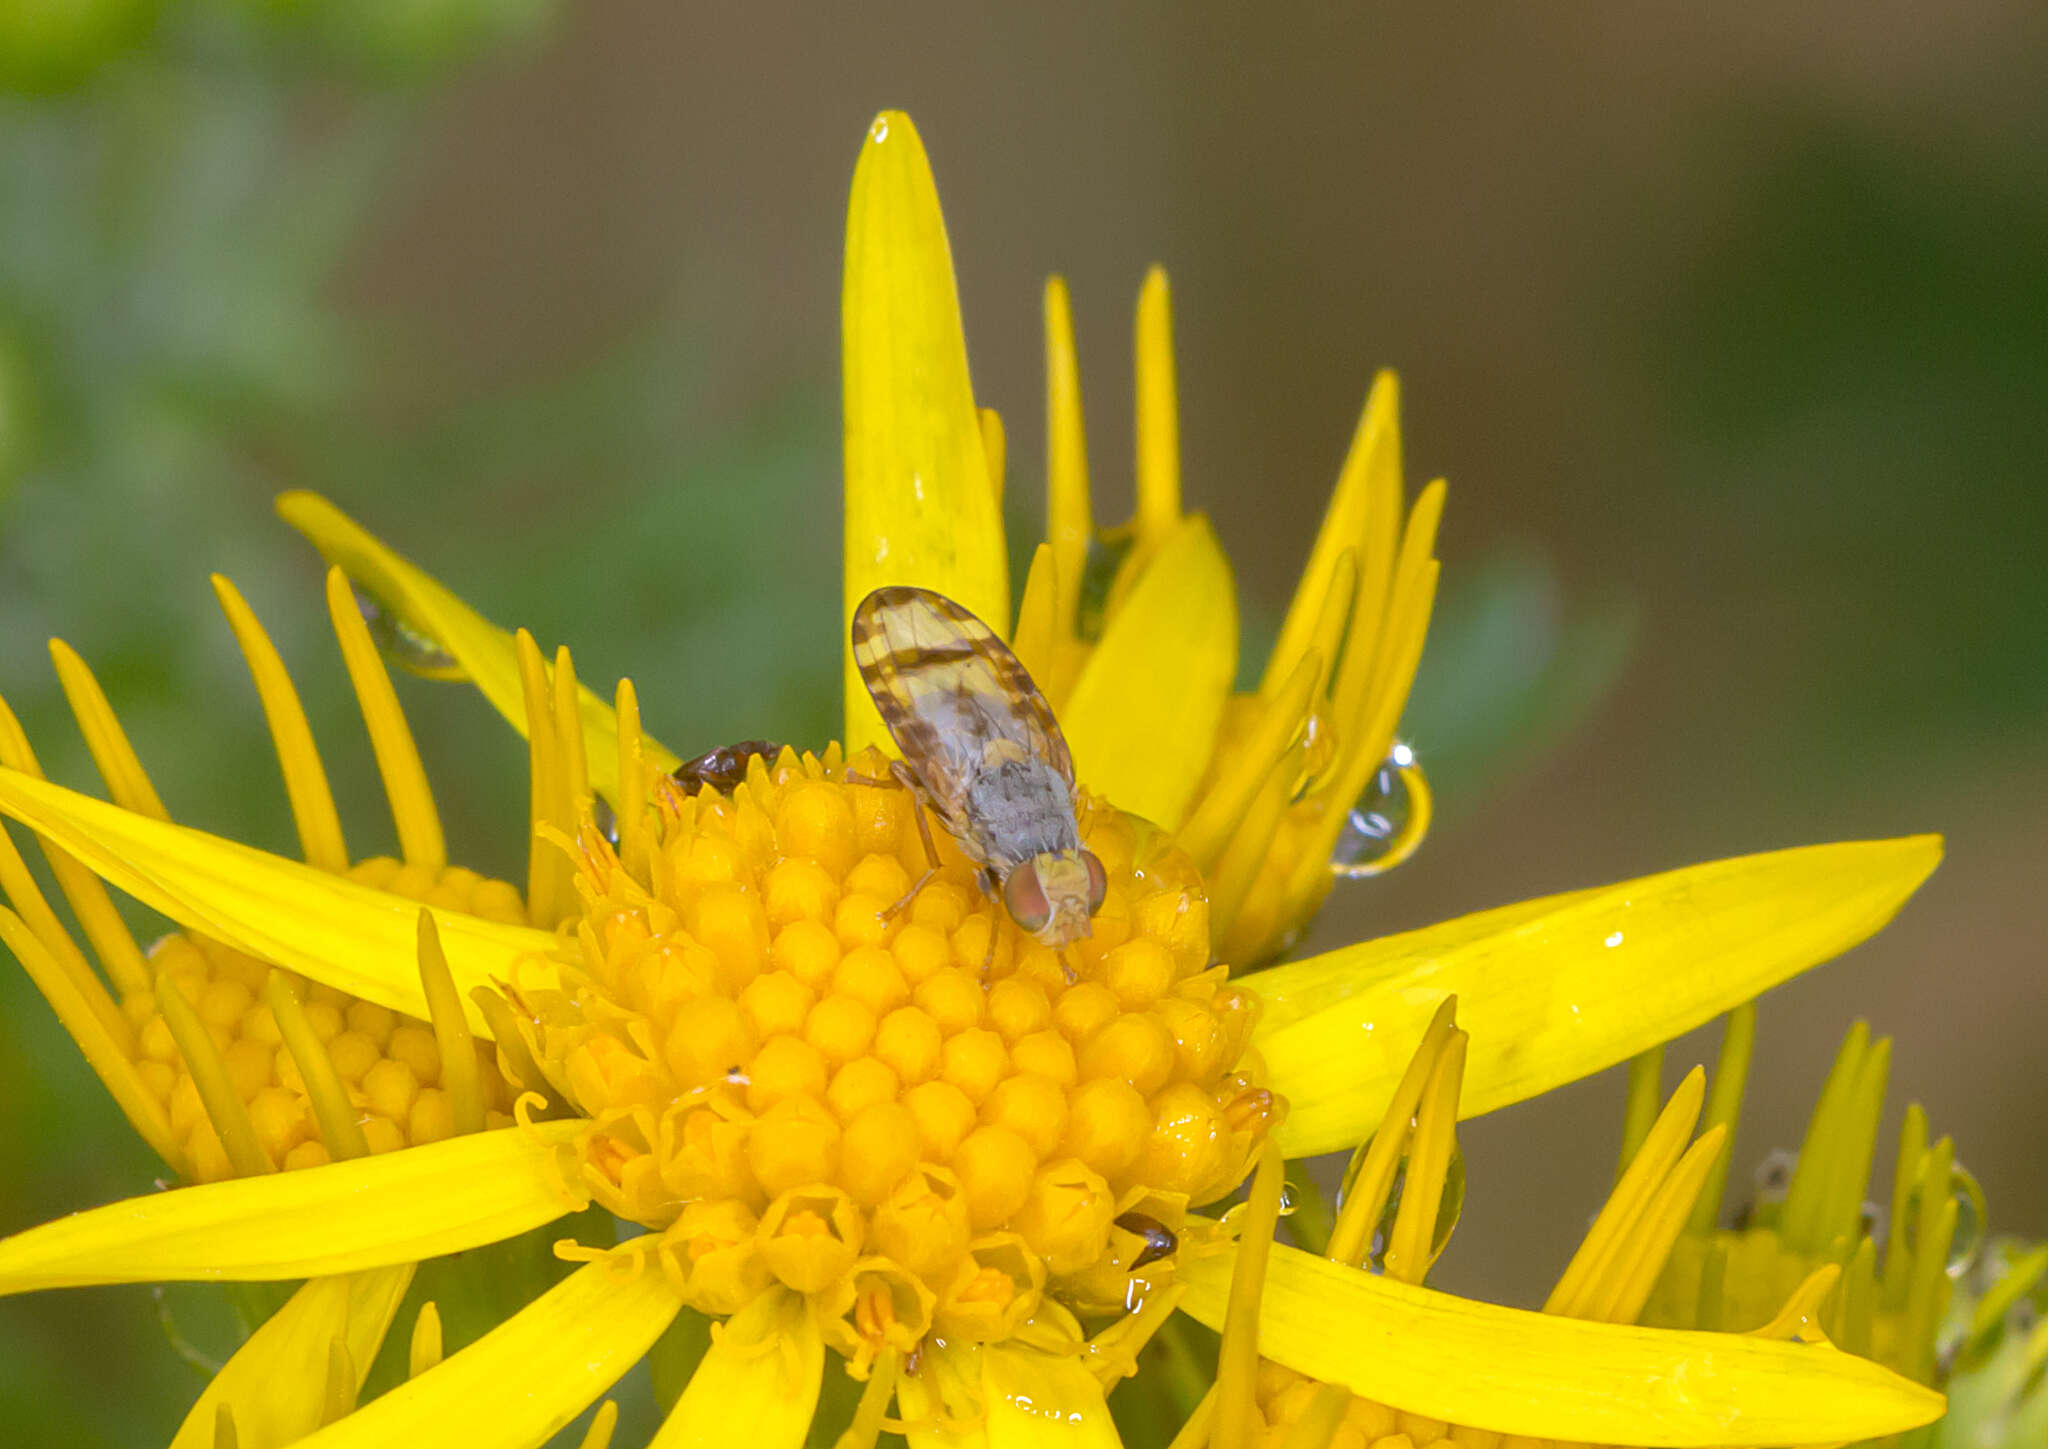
(1729, 327)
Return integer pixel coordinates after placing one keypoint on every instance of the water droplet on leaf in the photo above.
(402, 643)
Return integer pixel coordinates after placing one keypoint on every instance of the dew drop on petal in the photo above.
(401, 642)
(1378, 821)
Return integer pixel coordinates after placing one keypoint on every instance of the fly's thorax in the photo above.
(1020, 809)
(920, 1117)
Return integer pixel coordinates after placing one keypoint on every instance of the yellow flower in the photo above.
(1355, 1394)
(964, 1162)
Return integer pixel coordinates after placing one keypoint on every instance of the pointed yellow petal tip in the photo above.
(920, 508)
(1561, 987)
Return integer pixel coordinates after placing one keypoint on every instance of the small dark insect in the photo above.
(1159, 1239)
(723, 769)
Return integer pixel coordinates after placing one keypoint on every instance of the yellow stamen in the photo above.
(1371, 1173)
(113, 755)
(1069, 524)
(1411, 1247)
(515, 1058)
(1238, 870)
(1270, 740)
(1366, 675)
(549, 894)
(1897, 1250)
(1645, 1101)
(305, 780)
(1724, 1106)
(224, 1105)
(1632, 1272)
(1574, 1295)
(110, 1056)
(602, 1425)
(995, 449)
(1157, 415)
(398, 757)
(425, 1351)
(866, 1427)
(461, 1078)
(573, 778)
(342, 1384)
(340, 1129)
(1799, 1222)
(632, 772)
(1237, 1365)
(1859, 1300)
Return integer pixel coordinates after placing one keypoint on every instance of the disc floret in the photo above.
(896, 1104)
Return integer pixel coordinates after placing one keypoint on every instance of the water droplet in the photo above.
(1377, 826)
(1774, 1174)
(402, 643)
(1968, 1241)
(1872, 1219)
(604, 818)
(1289, 1200)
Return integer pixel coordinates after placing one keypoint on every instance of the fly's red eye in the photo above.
(1025, 898)
(1098, 881)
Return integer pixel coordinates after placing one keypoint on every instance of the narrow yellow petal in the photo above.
(346, 1216)
(1363, 518)
(224, 1106)
(919, 508)
(332, 929)
(1039, 630)
(274, 1383)
(1517, 1372)
(1158, 414)
(528, 1377)
(758, 1384)
(481, 652)
(995, 449)
(1142, 718)
(1555, 989)
(461, 1078)
(398, 754)
(1281, 717)
(109, 1056)
(112, 754)
(305, 778)
(334, 1112)
(1069, 518)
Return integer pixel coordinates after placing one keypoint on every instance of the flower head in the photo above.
(859, 1113)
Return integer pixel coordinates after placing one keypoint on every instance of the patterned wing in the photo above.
(954, 697)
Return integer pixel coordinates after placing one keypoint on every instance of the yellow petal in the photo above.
(353, 938)
(1516, 1372)
(1142, 718)
(1554, 989)
(1033, 1400)
(481, 652)
(371, 1212)
(276, 1382)
(521, 1382)
(919, 508)
(757, 1386)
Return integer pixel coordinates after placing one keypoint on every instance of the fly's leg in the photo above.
(899, 775)
(992, 887)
